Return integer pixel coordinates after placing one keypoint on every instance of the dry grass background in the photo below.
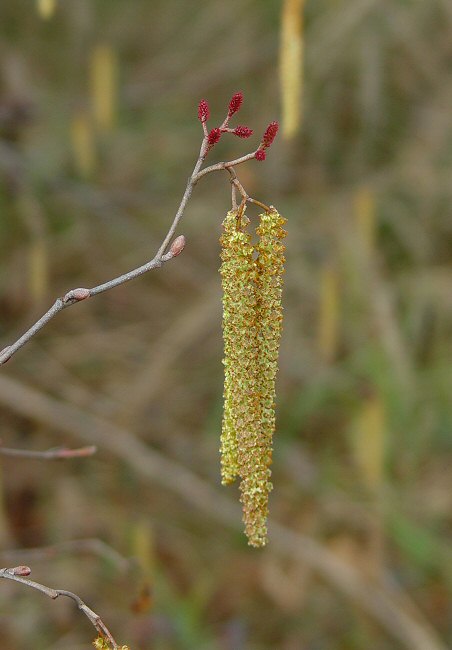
(98, 134)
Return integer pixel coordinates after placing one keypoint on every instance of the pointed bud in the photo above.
(260, 154)
(214, 136)
(203, 111)
(270, 133)
(242, 131)
(235, 103)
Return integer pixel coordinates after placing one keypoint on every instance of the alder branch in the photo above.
(223, 165)
(56, 453)
(19, 573)
(209, 140)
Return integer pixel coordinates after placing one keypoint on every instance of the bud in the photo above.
(203, 111)
(242, 131)
(75, 295)
(21, 571)
(260, 154)
(235, 104)
(177, 246)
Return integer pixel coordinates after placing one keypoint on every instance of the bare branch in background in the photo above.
(56, 453)
(19, 573)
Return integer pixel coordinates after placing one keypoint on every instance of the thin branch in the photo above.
(77, 295)
(56, 453)
(17, 574)
(223, 165)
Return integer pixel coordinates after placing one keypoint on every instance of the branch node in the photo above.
(4, 356)
(76, 295)
(177, 246)
(20, 571)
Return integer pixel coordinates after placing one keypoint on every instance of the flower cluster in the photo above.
(214, 135)
(252, 319)
(203, 111)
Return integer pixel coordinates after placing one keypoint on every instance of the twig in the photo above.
(56, 453)
(77, 295)
(19, 573)
(223, 165)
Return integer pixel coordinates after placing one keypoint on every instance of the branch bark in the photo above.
(19, 573)
(161, 257)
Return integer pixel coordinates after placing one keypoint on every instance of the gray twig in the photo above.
(77, 295)
(19, 573)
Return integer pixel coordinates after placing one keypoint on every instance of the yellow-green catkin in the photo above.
(255, 455)
(102, 644)
(240, 338)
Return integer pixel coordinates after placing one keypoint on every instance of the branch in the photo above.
(55, 453)
(223, 165)
(18, 573)
(209, 140)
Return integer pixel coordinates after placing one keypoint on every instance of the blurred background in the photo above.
(98, 134)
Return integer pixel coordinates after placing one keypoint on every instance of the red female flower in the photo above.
(242, 131)
(214, 136)
(203, 111)
(270, 133)
(260, 154)
(235, 103)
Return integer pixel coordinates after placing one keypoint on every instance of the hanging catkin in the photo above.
(239, 334)
(255, 455)
(252, 323)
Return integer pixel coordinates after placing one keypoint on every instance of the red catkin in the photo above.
(235, 103)
(270, 134)
(242, 131)
(203, 111)
(214, 136)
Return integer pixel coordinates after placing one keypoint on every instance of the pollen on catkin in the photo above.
(252, 323)
(255, 459)
(102, 644)
(239, 333)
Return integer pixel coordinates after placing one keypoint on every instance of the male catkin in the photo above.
(240, 344)
(252, 323)
(256, 456)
